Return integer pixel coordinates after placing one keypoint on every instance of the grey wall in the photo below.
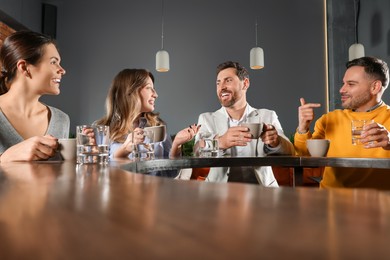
(26, 12)
(373, 33)
(99, 38)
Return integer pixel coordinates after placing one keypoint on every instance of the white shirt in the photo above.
(240, 150)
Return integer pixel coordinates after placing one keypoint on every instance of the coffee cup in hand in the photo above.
(255, 129)
(67, 148)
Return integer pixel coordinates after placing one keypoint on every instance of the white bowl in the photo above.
(318, 147)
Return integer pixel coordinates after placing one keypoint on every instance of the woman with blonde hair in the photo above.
(129, 108)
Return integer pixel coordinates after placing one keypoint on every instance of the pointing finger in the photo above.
(302, 101)
(311, 105)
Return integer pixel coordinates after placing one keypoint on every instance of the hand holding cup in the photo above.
(234, 136)
(270, 135)
(255, 129)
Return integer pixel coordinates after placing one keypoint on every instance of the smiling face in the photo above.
(148, 96)
(231, 90)
(359, 91)
(46, 75)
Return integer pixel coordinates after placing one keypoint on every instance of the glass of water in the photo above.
(357, 129)
(208, 145)
(148, 144)
(93, 144)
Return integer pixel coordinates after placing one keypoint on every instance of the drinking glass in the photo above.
(357, 129)
(148, 144)
(135, 153)
(208, 145)
(93, 144)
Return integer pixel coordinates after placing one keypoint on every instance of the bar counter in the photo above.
(295, 162)
(69, 211)
(286, 161)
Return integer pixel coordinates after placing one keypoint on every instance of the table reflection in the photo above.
(23, 205)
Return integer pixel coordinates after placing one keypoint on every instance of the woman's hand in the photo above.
(183, 136)
(186, 134)
(134, 138)
(32, 149)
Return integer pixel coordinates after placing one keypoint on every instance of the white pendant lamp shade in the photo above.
(356, 51)
(256, 58)
(162, 61)
(162, 56)
(256, 55)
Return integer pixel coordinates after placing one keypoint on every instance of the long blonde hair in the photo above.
(123, 103)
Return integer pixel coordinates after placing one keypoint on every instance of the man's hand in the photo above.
(306, 115)
(375, 135)
(270, 136)
(234, 136)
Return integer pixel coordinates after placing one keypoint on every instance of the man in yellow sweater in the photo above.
(364, 82)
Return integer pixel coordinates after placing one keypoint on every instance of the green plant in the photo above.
(291, 137)
(187, 148)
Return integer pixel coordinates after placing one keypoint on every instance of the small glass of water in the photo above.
(148, 144)
(135, 154)
(93, 144)
(208, 145)
(357, 129)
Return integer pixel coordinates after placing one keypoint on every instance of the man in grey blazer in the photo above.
(235, 140)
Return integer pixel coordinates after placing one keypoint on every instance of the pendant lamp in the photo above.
(356, 50)
(256, 55)
(162, 56)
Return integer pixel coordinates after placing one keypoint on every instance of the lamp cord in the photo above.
(356, 5)
(256, 32)
(162, 24)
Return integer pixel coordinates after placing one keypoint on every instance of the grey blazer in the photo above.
(217, 123)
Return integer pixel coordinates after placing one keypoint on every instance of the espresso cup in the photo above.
(255, 129)
(318, 147)
(159, 132)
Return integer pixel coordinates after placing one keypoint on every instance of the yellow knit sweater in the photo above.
(336, 126)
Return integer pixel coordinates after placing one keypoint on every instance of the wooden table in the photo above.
(69, 211)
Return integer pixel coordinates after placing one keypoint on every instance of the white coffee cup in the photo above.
(255, 129)
(318, 147)
(67, 148)
(159, 132)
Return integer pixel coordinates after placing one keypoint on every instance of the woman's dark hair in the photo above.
(21, 45)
